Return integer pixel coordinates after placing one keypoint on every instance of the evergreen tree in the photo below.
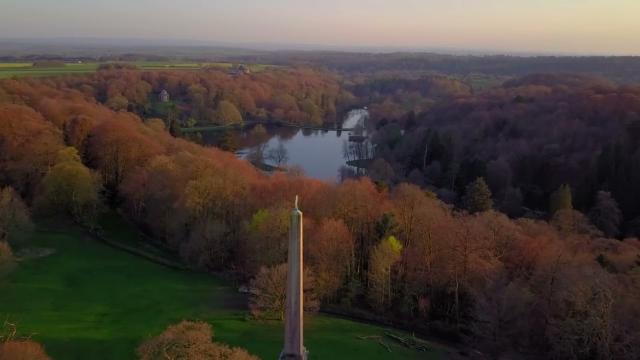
(560, 199)
(606, 214)
(386, 226)
(477, 197)
(512, 202)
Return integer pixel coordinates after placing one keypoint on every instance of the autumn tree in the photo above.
(189, 340)
(22, 350)
(156, 124)
(383, 257)
(470, 261)
(69, 187)
(477, 197)
(360, 206)
(197, 95)
(137, 94)
(149, 189)
(605, 214)
(581, 326)
(569, 221)
(213, 199)
(76, 132)
(266, 241)
(15, 219)
(329, 252)
(269, 292)
(7, 260)
(18, 348)
(424, 228)
(116, 147)
(28, 147)
(409, 203)
(381, 171)
(560, 199)
(117, 103)
(499, 309)
(208, 246)
(227, 113)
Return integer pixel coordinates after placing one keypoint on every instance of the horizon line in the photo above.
(150, 42)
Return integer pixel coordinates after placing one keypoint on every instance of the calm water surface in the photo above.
(320, 153)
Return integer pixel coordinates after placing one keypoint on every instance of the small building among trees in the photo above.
(239, 70)
(164, 96)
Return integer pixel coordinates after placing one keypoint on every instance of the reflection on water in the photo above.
(319, 153)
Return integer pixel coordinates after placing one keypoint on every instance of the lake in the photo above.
(321, 154)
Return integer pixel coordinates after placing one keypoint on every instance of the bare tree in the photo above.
(278, 155)
(268, 293)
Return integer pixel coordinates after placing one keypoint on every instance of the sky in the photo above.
(609, 27)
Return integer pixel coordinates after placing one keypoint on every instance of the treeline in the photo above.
(621, 69)
(526, 138)
(390, 97)
(506, 286)
(215, 96)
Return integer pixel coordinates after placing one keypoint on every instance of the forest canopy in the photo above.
(548, 286)
(527, 138)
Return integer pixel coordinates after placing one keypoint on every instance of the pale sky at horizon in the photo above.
(563, 26)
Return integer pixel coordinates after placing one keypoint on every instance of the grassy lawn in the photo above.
(14, 65)
(26, 69)
(91, 301)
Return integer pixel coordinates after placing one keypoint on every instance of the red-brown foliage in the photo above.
(502, 280)
(22, 350)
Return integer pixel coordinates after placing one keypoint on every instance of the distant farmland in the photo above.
(8, 70)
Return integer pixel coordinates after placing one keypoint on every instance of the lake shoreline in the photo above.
(197, 129)
(245, 124)
(321, 152)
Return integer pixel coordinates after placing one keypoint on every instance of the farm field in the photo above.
(91, 301)
(8, 70)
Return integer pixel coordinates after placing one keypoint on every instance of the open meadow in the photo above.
(89, 300)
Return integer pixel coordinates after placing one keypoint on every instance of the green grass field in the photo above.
(8, 70)
(91, 301)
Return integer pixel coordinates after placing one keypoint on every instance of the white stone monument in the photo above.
(294, 325)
